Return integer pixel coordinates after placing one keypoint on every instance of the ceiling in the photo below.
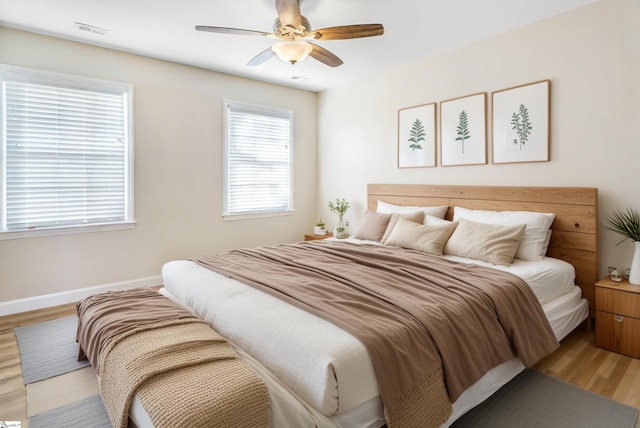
(164, 29)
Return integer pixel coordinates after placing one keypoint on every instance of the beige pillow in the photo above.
(417, 216)
(535, 240)
(373, 226)
(493, 243)
(427, 238)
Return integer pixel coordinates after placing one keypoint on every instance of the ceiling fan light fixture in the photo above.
(292, 51)
(292, 29)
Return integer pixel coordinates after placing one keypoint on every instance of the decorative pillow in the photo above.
(427, 238)
(416, 216)
(493, 243)
(534, 243)
(387, 208)
(373, 226)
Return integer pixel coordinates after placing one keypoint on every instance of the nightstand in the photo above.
(618, 316)
(313, 237)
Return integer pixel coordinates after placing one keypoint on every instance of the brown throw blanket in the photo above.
(432, 327)
(184, 372)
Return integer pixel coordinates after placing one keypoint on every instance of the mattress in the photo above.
(324, 373)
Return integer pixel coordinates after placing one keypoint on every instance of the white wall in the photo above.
(178, 172)
(592, 57)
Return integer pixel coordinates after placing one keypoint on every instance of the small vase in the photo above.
(340, 231)
(634, 272)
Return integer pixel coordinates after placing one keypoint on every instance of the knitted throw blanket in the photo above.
(184, 373)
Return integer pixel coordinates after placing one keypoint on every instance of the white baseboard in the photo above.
(71, 296)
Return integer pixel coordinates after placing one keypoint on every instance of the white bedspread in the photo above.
(548, 278)
(325, 366)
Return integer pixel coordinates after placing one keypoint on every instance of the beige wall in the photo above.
(178, 172)
(591, 55)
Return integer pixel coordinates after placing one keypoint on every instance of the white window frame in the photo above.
(260, 110)
(9, 73)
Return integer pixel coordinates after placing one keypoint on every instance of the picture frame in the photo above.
(463, 130)
(521, 123)
(417, 136)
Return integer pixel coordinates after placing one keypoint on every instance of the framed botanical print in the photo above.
(521, 123)
(463, 130)
(417, 136)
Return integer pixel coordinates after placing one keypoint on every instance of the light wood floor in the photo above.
(577, 361)
(13, 395)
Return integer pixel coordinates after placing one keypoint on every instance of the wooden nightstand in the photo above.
(313, 237)
(618, 316)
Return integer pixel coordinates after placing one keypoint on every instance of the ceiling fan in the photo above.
(294, 32)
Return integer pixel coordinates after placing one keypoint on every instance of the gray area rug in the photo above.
(88, 413)
(535, 400)
(48, 349)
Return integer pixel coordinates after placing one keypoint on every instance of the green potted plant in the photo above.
(340, 207)
(319, 228)
(627, 224)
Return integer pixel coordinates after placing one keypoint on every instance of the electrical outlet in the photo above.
(610, 269)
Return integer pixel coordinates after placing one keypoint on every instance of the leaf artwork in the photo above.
(522, 125)
(416, 135)
(462, 130)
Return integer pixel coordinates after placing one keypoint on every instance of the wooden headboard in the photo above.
(575, 228)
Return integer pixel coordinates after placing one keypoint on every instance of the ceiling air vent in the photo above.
(91, 29)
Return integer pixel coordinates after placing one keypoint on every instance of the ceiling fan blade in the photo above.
(262, 57)
(228, 30)
(346, 32)
(289, 12)
(324, 56)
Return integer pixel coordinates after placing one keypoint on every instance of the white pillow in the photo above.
(492, 243)
(429, 219)
(534, 243)
(547, 240)
(427, 238)
(387, 208)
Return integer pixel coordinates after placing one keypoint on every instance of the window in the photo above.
(66, 153)
(258, 152)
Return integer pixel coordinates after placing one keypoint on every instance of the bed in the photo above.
(319, 375)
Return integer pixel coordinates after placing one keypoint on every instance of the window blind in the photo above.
(258, 160)
(65, 153)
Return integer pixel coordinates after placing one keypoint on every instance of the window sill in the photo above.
(252, 216)
(67, 230)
